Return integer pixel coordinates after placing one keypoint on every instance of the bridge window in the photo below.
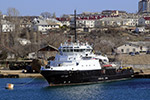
(79, 50)
(71, 50)
(76, 50)
(88, 50)
(64, 50)
(67, 50)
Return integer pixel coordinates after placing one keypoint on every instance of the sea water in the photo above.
(38, 89)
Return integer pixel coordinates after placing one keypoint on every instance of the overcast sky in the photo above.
(60, 7)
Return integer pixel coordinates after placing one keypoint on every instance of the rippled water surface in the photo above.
(38, 89)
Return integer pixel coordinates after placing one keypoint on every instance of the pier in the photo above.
(142, 73)
(18, 74)
(145, 73)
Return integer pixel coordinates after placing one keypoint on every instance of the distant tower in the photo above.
(144, 6)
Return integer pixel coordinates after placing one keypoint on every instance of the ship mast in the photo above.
(75, 26)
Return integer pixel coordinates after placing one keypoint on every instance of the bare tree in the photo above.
(46, 15)
(104, 41)
(0, 13)
(65, 16)
(54, 15)
(0, 26)
(2, 37)
(12, 12)
(53, 38)
(13, 18)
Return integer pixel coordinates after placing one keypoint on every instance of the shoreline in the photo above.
(18, 74)
(139, 73)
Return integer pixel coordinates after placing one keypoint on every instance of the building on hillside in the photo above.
(140, 30)
(10, 55)
(113, 13)
(130, 22)
(32, 55)
(85, 23)
(133, 47)
(117, 21)
(46, 52)
(26, 21)
(144, 21)
(144, 6)
(109, 21)
(23, 42)
(64, 21)
(110, 12)
(43, 25)
(7, 26)
(22, 21)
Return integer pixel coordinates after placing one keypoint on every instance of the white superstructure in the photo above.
(76, 56)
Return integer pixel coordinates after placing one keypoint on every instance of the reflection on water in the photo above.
(135, 89)
(77, 92)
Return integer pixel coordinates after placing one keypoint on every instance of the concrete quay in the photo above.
(142, 73)
(18, 74)
(139, 73)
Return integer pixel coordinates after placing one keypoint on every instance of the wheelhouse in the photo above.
(75, 49)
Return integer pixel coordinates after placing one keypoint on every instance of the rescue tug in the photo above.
(76, 63)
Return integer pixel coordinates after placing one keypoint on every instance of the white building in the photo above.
(85, 22)
(7, 26)
(144, 21)
(24, 41)
(140, 30)
(64, 21)
(32, 55)
(132, 47)
(109, 21)
(144, 6)
(44, 25)
(130, 21)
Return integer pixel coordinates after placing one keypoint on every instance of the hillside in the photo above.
(137, 59)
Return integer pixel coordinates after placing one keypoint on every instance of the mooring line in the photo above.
(25, 83)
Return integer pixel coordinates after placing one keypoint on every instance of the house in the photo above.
(133, 47)
(7, 26)
(109, 21)
(140, 30)
(26, 21)
(64, 21)
(22, 21)
(85, 21)
(24, 41)
(113, 13)
(117, 21)
(32, 55)
(110, 12)
(10, 56)
(130, 21)
(43, 25)
(144, 21)
(46, 52)
(88, 22)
